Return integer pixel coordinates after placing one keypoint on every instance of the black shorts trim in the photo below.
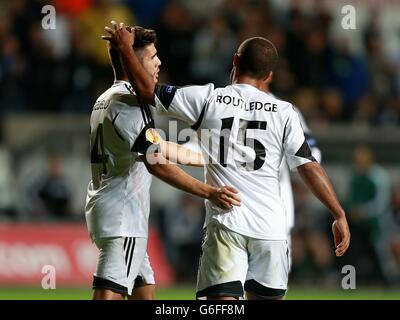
(227, 289)
(139, 282)
(100, 283)
(263, 292)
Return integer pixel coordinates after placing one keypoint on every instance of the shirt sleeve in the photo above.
(185, 103)
(296, 148)
(136, 125)
(312, 142)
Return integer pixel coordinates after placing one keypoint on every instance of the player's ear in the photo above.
(269, 78)
(236, 59)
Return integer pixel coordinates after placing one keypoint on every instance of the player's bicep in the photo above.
(296, 148)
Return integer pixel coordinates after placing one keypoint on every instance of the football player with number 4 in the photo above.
(244, 134)
(123, 144)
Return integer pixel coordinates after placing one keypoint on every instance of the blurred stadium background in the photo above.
(346, 83)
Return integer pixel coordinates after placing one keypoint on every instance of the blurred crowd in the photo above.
(65, 69)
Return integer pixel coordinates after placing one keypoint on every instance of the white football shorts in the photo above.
(123, 264)
(231, 263)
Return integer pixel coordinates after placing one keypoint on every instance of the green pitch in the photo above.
(187, 293)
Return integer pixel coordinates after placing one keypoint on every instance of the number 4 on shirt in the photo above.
(97, 155)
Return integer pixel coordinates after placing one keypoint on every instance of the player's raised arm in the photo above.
(123, 40)
(187, 104)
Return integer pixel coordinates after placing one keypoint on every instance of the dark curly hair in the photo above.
(143, 37)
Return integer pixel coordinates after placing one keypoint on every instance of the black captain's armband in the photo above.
(148, 140)
(165, 93)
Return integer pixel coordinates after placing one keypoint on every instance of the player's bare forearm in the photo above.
(316, 179)
(176, 177)
(179, 154)
(224, 197)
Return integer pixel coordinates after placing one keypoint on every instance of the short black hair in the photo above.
(143, 37)
(257, 57)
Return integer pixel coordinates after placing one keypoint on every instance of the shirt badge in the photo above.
(152, 136)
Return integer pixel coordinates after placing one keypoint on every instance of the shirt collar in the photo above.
(126, 84)
(249, 86)
(117, 82)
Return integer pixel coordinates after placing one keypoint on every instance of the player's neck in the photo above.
(257, 83)
(120, 76)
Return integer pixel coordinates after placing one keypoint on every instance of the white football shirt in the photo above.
(244, 134)
(118, 196)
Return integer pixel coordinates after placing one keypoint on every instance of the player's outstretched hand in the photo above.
(225, 197)
(341, 235)
(120, 35)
